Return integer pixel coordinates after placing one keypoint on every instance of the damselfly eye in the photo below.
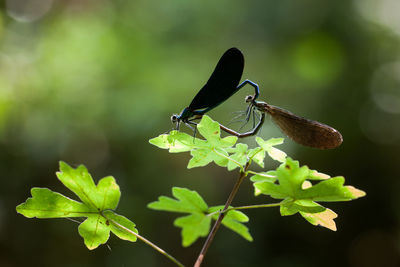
(249, 98)
(174, 118)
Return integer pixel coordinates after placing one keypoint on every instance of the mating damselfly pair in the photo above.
(224, 82)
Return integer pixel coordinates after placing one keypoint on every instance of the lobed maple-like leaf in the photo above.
(97, 204)
(203, 152)
(197, 224)
(293, 184)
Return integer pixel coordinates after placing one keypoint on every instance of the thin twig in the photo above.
(148, 242)
(255, 206)
(262, 174)
(254, 154)
(217, 224)
(248, 207)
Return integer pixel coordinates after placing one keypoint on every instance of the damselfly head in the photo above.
(174, 118)
(249, 98)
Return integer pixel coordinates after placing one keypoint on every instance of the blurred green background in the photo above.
(91, 81)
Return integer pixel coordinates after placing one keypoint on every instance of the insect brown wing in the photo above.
(303, 131)
(222, 83)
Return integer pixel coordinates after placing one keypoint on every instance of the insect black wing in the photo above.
(222, 83)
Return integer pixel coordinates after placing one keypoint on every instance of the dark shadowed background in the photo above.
(91, 81)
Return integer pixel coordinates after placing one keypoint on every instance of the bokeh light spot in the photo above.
(385, 88)
(385, 12)
(27, 10)
(318, 58)
(378, 126)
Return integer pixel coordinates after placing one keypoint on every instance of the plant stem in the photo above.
(217, 224)
(255, 206)
(262, 174)
(148, 242)
(259, 150)
(248, 207)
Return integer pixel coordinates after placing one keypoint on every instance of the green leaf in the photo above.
(193, 226)
(272, 141)
(96, 201)
(314, 175)
(305, 205)
(269, 176)
(203, 156)
(103, 196)
(324, 219)
(203, 152)
(268, 146)
(125, 222)
(210, 130)
(197, 224)
(331, 190)
(293, 184)
(239, 157)
(233, 220)
(45, 203)
(94, 231)
(177, 142)
(187, 201)
(257, 155)
(291, 179)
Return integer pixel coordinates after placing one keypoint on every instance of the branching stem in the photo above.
(217, 224)
(248, 207)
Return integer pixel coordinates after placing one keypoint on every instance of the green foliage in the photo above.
(239, 156)
(203, 152)
(217, 149)
(289, 182)
(299, 189)
(197, 223)
(233, 220)
(268, 146)
(97, 205)
(292, 183)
